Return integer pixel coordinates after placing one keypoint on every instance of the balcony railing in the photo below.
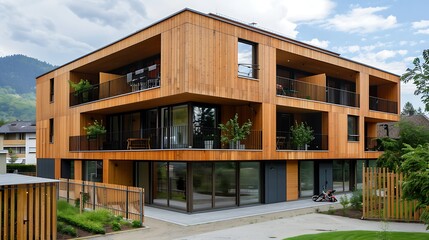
(373, 144)
(145, 78)
(178, 137)
(383, 105)
(284, 142)
(304, 90)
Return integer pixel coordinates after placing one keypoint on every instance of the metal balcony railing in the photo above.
(383, 105)
(177, 137)
(304, 90)
(145, 78)
(284, 142)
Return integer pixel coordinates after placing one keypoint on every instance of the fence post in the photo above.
(126, 201)
(93, 195)
(141, 206)
(68, 190)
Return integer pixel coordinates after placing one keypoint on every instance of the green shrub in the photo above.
(116, 226)
(66, 229)
(20, 167)
(136, 224)
(101, 215)
(85, 200)
(356, 200)
(81, 222)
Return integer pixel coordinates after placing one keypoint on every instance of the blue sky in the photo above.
(386, 34)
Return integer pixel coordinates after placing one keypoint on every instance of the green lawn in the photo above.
(362, 235)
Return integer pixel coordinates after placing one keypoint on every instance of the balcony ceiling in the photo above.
(294, 61)
(142, 50)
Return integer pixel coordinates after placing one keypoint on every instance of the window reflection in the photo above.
(306, 175)
(247, 64)
(249, 182)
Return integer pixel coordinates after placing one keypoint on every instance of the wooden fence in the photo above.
(382, 196)
(121, 200)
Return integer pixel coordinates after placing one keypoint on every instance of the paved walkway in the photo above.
(278, 221)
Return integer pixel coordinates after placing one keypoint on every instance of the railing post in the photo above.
(126, 201)
(93, 195)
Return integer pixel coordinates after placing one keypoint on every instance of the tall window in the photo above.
(51, 130)
(353, 128)
(247, 59)
(92, 171)
(51, 89)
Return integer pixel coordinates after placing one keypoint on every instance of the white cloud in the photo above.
(318, 43)
(421, 24)
(362, 20)
(423, 31)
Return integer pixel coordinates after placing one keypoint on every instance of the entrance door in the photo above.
(275, 182)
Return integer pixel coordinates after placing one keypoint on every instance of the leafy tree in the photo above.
(12, 155)
(420, 111)
(302, 134)
(420, 77)
(410, 134)
(233, 132)
(416, 170)
(408, 109)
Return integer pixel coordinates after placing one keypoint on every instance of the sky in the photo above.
(387, 34)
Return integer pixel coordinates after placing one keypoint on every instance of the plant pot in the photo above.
(208, 144)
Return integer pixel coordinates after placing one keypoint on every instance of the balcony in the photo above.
(142, 79)
(383, 105)
(284, 142)
(299, 89)
(177, 137)
(373, 144)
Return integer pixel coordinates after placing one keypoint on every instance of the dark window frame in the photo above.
(51, 130)
(353, 131)
(254, 65)
(51, 90)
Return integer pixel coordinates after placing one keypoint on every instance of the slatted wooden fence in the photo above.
(28, 211)
(121, 200)
(382, 196)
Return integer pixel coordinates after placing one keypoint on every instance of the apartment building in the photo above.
(161, 93)
(19, 139)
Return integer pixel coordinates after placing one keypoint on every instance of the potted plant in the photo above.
(81, 89)
(233, 133)
(302, 134)
(94, 129)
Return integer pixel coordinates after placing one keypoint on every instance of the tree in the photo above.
(409, 134)
(420, 77)
(302, 134)
(233, 133)
(12, 155)
(408, 109)
(416, 184)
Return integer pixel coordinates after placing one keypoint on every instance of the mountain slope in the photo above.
(19, 72)
(17, 86)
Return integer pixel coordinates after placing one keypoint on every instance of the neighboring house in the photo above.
(391, 129)
(161, 92)
(20, 137)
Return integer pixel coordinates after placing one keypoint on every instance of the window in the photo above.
(51, 90)
(92, 171)
(51, 130)
(32, 149)
(353, 128)
(247, 59)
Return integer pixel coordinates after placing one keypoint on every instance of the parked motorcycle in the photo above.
(327, 196)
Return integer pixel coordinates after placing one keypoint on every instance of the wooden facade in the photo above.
(198, 61)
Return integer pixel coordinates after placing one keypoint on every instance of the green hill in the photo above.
(17, 86)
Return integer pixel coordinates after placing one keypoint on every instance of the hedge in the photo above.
(20, 167)
(84, 224)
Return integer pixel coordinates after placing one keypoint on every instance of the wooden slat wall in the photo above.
(28, 211)
(199, 62)
(382, 196)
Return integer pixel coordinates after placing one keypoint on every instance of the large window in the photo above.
(204, 123)
(92, 171)
(202, 180)
(247, 59)
(225, 184)
(341, 175)
(249, 182)
(306, 178)
(353, 128)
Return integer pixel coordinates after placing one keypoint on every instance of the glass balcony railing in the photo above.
(177, 137)
(304, 90)
(284, 142)
(383, 105)
(145, 78)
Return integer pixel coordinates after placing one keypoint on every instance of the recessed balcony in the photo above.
(300, 89)
(177, 137)
(383, 105)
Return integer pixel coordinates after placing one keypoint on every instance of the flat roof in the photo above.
(19, 179)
